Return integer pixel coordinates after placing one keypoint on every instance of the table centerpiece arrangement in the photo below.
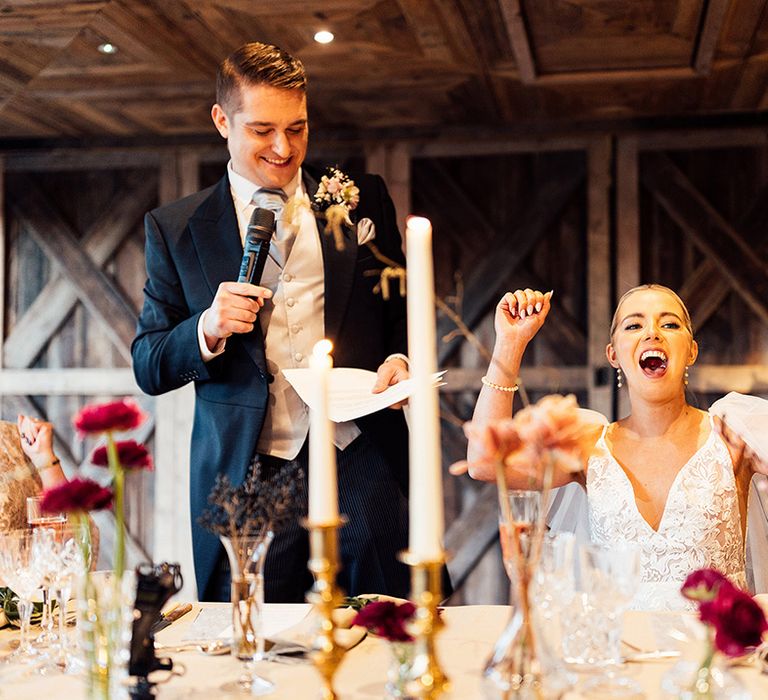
(105, 600)
(245, 518)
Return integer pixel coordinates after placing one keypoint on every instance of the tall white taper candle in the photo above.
(323, 491)
(426, 487)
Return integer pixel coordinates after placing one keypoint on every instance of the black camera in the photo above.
(155, 584)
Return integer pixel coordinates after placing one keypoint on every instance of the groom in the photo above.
(233, 339)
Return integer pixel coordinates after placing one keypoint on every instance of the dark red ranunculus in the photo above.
(387, 619)
(76, 496)
(703, 584)
(117, 415)
(132, 455)
(738, 621)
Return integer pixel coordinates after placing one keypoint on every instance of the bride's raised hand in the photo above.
(520, 315)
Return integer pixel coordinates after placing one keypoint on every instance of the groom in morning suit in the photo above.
(233, 339)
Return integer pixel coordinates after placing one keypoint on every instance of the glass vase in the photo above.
(704, 677)
(247, 555)
(399, 669)
(104, 615)
(522, 665)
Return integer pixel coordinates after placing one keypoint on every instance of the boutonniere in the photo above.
(336, 196)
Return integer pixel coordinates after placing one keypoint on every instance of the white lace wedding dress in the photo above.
(700, 526)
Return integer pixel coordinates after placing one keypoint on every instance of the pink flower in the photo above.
(550, 429)
(332, 186)
(387, 619)
(132, 455)
(703, 585)
(117, 415)
(76, 496)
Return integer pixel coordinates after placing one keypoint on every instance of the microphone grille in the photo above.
(263, 218)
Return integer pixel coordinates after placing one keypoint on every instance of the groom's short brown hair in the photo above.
(257, 64)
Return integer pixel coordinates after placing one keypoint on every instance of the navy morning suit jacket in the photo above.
(193, 245)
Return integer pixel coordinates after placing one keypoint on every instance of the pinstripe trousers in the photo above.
(376, 531)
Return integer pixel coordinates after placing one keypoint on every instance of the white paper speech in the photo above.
(349, 391)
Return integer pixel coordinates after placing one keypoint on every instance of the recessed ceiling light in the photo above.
(107, 48)
(324, 37)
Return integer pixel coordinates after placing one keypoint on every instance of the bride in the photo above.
(662, 477)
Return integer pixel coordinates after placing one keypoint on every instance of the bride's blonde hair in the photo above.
(658, 287)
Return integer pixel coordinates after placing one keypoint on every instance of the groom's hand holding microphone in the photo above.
(236, 304)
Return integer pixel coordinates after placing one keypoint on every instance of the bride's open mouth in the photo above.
(653, 363)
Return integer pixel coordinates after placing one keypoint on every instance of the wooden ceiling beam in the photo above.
(709, 231)
(518, 39)
(709, 33)
(426, 27)
(58, 297)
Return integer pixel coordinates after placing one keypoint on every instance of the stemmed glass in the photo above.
(52, 523)
(610, 577)
(70, 554)
(19, 554)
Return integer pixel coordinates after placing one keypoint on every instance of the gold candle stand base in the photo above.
(326, 596)
(426, 678)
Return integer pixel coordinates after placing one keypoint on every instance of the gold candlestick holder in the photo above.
(426, 678)
(326, 596)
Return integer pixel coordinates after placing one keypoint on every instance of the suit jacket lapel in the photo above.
(216, 237)
(338, 267)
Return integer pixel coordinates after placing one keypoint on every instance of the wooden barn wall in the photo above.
(581, 216)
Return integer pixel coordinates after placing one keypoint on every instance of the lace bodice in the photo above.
(700, 525)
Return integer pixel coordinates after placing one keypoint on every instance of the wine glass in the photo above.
(54, 523)
(610, 578)
(19, 569)
(73, 560)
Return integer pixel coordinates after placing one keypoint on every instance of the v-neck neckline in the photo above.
(672, 487)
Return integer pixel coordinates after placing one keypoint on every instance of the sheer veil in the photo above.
(747, 416)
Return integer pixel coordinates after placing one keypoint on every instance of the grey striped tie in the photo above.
(282, 242)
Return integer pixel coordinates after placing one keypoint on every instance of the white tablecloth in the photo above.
(463, 647)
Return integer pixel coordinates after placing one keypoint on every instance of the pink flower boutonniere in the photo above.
(336, 196)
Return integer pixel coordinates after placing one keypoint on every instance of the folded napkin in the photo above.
(290, 628)
(300, 636)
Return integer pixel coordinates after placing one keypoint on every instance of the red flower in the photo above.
(703, 584)
(76, 496)
(117, 415)
(739, 622)
(387, 619)
(132, 455)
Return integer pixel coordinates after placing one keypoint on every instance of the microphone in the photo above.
(256, 247)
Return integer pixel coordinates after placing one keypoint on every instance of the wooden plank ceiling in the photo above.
(395, 64)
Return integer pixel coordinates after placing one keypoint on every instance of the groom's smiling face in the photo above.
(266, 133)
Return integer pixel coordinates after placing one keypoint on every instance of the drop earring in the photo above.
(685, 376)
(619, 378)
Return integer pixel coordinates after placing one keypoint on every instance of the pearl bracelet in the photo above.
(499, 387)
